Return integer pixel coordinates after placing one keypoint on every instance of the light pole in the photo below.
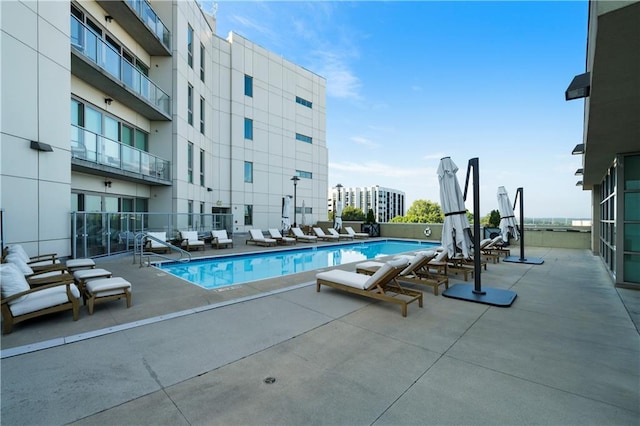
(335, 203)
(295, 180)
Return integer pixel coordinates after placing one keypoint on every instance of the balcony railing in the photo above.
(151, 20)
(94, 48)
(89, 146)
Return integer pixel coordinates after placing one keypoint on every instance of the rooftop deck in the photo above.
(565, 352)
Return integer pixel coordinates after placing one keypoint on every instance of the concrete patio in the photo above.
(566, 352)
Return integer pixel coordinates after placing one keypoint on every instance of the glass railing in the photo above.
(106, 57)
(90, 146)
(148, 16)
(99, 233)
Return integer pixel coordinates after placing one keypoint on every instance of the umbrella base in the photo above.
(527, 260)
(488, 296)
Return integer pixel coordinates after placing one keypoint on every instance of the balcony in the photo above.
(139, 19)
(97, 63)
(95, 154)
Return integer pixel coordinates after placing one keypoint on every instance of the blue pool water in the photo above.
(224, 271)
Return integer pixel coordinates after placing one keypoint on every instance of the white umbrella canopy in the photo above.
(456, 231)
(508, 223)
(338, 218)
(286, 209)
(303, 220)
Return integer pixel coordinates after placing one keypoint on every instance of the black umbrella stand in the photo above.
(522, 259)
(475, 293)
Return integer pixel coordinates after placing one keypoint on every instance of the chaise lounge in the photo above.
(276, 235)
(257, 237)
(355, 234)
(324, 237)
(382, 285)
(301, 236)
(340, 236)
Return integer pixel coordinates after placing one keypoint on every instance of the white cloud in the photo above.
(360, 140)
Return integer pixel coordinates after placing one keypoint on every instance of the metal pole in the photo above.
(474, 162)
(520, 191)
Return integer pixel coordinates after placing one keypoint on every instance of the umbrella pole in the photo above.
(490, 296)
(522, 259)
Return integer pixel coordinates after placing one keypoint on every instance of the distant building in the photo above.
(610, 149)
(386, 203)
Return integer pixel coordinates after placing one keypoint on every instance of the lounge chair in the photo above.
(189, 241)
(301, 236)
(324, 237)
(257, 237)
(382, 285)
(20, 302)
(40, 262)
(220, 238)
(52, 274)
(496, 246)
(276, 235)
(155, 244)
(340, 236)
(416, 271)
(355, 234)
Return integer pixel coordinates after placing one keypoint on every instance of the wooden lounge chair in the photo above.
(301, 236)
(276, 235)
(220, 238)
(355, 234)
(155, 243)
(51, 274)
(382, 285)
(324, 237)
(21, 302)
(189, 241)
(340, 236)
(257, 237)
(496, 246)
(416, 271)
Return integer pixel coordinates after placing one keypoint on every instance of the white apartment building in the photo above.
(138, 106)
(386, 203)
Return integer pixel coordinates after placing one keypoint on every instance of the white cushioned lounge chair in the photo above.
(21, 302)
(355, 234)
(382, 285)
(340, 236)
(301, 236)
(189, 241)
(219, 238)
(276, 235)
(321, 235)
(257, 237)
(155, 244)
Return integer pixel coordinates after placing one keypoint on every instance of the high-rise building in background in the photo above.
(386, 203)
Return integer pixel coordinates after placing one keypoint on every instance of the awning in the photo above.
(579, 88)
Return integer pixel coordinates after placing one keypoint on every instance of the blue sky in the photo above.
(411, 82)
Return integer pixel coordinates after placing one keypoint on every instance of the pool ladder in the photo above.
(145, 256)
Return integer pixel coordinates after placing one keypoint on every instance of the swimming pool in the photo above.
(223, 271)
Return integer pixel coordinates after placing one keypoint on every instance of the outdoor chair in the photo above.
(21, 302)
(276, 235)
(340, 236)
(51, 274)
(219, 238)
(157, 244)
(258, 238)
(496, 246)
(355, 234)
(382, 285)
(416, 271)
(189, 241)
(301, 236)
(321, 235)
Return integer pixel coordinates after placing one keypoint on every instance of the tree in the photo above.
(352, 213)
(422, 211)
(371, 218)
(492, 219)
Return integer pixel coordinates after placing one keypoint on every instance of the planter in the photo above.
(373, 229)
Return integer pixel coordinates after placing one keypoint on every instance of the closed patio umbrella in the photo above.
(286, 210)
(508, 223)
(456, 232)
(338, 219)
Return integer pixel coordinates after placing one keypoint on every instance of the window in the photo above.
(248, 172)
(303, 138)
(202, 104)
(190, 162)
(190, 104)
(248, 85)
(248, 128)
(190, 46)
(201, 167)
(248, 214)
(303, 174)
(190, 214)
(304, 102)
(202, 59)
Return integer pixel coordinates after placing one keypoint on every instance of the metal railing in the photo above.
(140, 242)
(94, 48)
(151, 20)
(96, 234)
(89, 146)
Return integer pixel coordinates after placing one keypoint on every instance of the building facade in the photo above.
(386, 203)
(138, 106)
(610, 150)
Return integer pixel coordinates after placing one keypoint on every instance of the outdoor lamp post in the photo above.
(338, 187)
(295, 180)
